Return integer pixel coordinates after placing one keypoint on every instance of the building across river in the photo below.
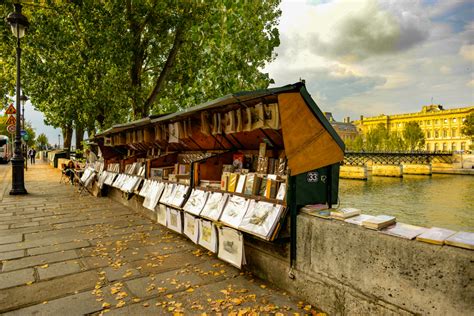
(442, 127)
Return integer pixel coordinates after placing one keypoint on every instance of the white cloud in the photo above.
(467, 52)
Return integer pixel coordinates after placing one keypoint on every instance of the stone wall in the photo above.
(346, 269)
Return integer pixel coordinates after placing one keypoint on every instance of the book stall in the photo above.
(230, 169)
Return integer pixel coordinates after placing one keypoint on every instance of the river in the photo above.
(440, 200)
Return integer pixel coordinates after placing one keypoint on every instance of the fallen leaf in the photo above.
(146, 304)
(190, 290)
(263, 286)
(120, 304)
(44, 266)
(45, 302)
(169, 295)
(105, 305)
(136, 300)
(29, 282)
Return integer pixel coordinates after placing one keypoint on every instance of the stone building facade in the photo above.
(346, 130)
(442, 127)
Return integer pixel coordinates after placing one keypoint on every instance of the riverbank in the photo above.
(467, 172)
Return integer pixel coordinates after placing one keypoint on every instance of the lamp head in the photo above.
(18, 22)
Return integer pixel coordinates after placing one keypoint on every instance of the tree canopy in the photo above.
(468, 126)
(89, 64)
(413, 135)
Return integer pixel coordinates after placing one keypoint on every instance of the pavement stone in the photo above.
(58, 269)
(39, 260)
(12, 255)
(77, 304)
(14, 278)
(9, 239)
(38, 292)
(79, 244)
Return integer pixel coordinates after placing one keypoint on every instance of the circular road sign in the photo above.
(11, 129)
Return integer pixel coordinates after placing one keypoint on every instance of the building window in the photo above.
(453, 147)
(428, 134)
(463, 146)
(445, 121)
(463, 119)
(453, 132)
(428, 122)
(437, 122)
(445, 133)
(436, 134)
(454, 120)
(428, 147)
(445, 147)
(436, 147)
(421, 123)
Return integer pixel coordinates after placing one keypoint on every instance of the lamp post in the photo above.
(59, 141)
(19, 23)
(23, 100)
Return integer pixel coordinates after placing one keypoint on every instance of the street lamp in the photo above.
(19, 23)
(59, 141)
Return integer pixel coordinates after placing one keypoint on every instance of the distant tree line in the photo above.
(381, 139)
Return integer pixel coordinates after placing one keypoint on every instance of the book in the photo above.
(358, 219)
(435, 235)
(214, 205)
(461, 239)
(231, 246)
(234, 211)
(281, 192)
(232, 184)
(318, 210)
(404, 230)
(196, 202)
(224, 181)
(252, 184)
(240, 184)
(161, 214)
(344, 213)
(191, 227)
(174, 220)
(207, 235)
(261, 219)
(379, 222)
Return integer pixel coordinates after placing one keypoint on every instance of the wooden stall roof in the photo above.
(309, 140)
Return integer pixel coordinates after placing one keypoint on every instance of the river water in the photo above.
(440, 200)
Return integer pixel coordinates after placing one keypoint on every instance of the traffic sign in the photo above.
(11, 120)
(11, 129)
(25, 137)
(22, 132)
(11, 109)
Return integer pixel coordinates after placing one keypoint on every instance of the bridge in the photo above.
(352, 158)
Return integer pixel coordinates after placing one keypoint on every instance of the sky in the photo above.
(369, 57)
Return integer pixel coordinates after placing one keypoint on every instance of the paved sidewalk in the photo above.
(61, 253)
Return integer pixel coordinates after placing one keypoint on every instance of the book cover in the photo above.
(214, 206)
(261, 218)
(281, 192)
(404, 230)
(231, 246)
(241, 184)
(232, 184)
(379, 222)
(234, 211)
(224, 181)
(358, 219)
(207, 235)
(191, 227)
(461, 239)
(435, 235)
(344, 213)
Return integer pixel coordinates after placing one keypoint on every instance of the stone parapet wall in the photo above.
(387, 170)
(417, 169)
(353, 172)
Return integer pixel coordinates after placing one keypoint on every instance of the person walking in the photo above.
(32, 155)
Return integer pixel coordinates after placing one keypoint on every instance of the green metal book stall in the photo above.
(231, 167)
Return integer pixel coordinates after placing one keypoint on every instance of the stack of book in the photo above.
(318, 210)
(343, 213)
(404, 230)
(379, 222)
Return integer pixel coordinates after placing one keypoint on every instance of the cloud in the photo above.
(355, 30)
(467, 52)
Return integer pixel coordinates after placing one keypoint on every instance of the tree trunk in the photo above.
(79, 137)
(67, 136)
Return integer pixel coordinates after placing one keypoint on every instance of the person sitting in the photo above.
(69, 171)
(90, 156)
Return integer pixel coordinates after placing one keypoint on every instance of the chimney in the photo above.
(348, 119)
(361, 117)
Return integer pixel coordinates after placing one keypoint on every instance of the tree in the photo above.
(89, 64)
(377, 138)
(42, 141)
(413, 136)
(468, 126)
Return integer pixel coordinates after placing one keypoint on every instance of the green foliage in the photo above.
(468, 126)
(377, 138)
(357, 144)
(94, 63)
(413, 136)
(42, 141)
